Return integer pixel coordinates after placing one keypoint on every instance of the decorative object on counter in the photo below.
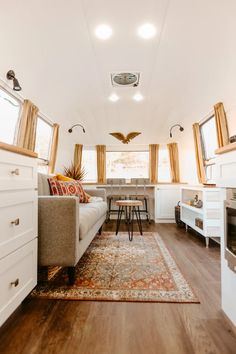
(199, 223)
(125, 139)
(76, 125)
(75, 172)
(178, 221)
(12, 76)
(191, 202)
(232, 139)
(197, 202)
(176, 125)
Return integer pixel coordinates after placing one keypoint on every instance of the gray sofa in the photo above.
(66, 226)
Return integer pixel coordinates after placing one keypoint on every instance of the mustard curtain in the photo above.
(199, 154)
(174, 162)
(78, 155)
(54, 145)
(221, 125)
(27, 127)
(101, 163)
(153, 162)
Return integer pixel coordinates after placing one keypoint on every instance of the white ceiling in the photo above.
(65, 69)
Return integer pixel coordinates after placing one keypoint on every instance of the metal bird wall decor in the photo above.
(125, 139)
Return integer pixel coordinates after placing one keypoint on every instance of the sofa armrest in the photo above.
(96, 192)
(58, 230)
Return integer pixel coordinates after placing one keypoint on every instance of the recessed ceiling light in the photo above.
(103, 32)
(114, 97)
(138, 97)
(147, 31)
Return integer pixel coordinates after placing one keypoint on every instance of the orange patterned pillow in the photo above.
(68, 188)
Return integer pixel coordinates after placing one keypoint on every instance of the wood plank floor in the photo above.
(83, 327)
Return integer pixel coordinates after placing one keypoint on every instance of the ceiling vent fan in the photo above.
(125, 79)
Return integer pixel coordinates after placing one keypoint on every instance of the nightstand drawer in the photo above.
(17, 173)
(18, 219)
(18, 276)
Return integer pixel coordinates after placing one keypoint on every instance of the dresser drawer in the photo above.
(18, 219)
(18, 276)
(17, 171)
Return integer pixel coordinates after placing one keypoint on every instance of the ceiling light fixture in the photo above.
(114, 97)
(147, 31)
(76, 125)
(176, 125)
(11, 76)
(103, 32)
(138, 97)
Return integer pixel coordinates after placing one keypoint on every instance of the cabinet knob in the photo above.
(15, 222)
(15, 283)
(15, 172)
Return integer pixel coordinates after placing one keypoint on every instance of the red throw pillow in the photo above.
(72, 188)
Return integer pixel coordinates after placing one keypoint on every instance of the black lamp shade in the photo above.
(16, 85)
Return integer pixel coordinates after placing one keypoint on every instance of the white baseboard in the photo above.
(165, 221)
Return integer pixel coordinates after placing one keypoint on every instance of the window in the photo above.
(9, 115)
(89, 163)
(127, 164)
(209, 145)
(164, 165)
(209, 138)
(43, 143)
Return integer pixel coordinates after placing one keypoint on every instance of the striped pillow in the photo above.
(68, 188)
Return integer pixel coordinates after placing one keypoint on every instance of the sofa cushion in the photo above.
(68, 188)
(43, 186)
(89, 214)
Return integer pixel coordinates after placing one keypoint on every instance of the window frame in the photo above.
(20, 100)
(90, 148)
(163, 147)
(137, 151)
(40, 160)
(208, 162)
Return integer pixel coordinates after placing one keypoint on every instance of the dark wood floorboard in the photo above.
(87, 327)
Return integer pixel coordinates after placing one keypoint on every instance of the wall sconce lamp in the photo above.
(11, 76)
(176, 125)
(76, 125)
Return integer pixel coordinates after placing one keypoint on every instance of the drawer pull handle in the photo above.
(15, 283)
(16, 222)
(15, 172)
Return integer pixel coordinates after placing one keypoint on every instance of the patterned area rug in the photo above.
(115, 269)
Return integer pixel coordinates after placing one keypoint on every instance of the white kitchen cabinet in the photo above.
(166, 198)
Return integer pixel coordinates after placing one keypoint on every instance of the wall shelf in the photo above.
(196, 210)
(226, 148)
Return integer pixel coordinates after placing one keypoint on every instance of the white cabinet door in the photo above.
(18, 219)
(166, 200)
(18, 276)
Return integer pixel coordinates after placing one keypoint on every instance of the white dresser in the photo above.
(209, 215)
(18, 227)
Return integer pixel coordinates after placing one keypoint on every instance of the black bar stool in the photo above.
(113, 197)
(129, 208)
(141, 183)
